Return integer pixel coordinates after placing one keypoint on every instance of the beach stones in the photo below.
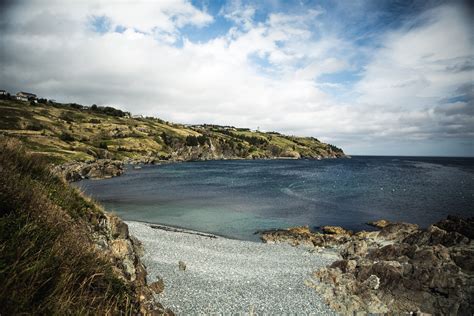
(157, 286)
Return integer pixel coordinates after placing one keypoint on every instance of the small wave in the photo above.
(288, 191)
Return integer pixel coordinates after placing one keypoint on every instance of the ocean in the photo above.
(236, 198)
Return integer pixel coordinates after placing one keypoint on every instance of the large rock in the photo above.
(335, 230)
(458, 225)
(113, 239)
(397, 231)
(157, 286)
(303, 236)
(434, 236)
(345, 265)
(354, 249)
(118, 228)
(98, 169)
(122, 249)
(379, 224)
(403, 269)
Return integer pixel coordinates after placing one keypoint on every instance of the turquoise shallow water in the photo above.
(237, 198)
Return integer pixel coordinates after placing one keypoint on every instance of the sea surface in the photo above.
(237, 198)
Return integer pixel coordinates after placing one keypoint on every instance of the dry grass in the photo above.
(42, 127)
(48, 264)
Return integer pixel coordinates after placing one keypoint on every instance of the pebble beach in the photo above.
(228, 276)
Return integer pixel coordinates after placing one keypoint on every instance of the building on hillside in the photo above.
(3, 92)
(25, 96)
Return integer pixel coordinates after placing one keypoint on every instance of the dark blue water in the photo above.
(236, 198)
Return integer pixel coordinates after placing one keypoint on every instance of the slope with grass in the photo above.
(60, 253)
(71, 132)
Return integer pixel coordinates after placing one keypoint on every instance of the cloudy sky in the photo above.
(373, 77)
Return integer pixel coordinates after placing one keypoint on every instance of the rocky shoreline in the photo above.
(108, 168)
(97, 169)
(400, 268)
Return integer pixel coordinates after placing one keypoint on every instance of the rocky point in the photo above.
(400, 268)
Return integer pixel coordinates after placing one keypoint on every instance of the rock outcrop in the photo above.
(379, 224)
(398, 269)
(112, 238)
(98, 169)
(303, 235)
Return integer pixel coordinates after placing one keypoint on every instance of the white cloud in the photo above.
(412, 68)
(399, 96)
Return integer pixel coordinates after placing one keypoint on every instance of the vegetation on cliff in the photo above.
(60, 253)
(72, 132)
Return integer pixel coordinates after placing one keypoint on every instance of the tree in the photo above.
(192, 141)
(202, 140)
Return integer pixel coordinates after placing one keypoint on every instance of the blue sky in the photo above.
(374, 77)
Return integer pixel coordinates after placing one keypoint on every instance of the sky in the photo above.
(374, 77)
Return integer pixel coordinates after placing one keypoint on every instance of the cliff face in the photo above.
(65, 133)
(60, 253)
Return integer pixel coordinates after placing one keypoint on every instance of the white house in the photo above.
(3, 92)
(25, 96)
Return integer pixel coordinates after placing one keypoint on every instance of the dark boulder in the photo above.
(458, 225)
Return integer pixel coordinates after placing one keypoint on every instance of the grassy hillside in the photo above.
(67, 132)
(50, 261)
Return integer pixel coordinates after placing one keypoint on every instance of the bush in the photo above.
(67, 116)
(191, 141)
(202, 139)
(76, 106)
(171, 141)
(35, 126)
(103, 145)
(66, 137)
(108, 110)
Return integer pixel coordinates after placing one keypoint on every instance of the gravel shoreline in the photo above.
(228, 276)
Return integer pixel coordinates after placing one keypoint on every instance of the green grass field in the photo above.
(70, 132)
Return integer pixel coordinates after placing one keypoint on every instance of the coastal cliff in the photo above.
(74, 133)
(61, 253)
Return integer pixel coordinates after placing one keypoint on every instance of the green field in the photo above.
(71, 132)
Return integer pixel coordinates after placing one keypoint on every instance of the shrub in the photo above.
(108, 110)
(35, 126)
(191, 141)
(103, 145)
(67, 116)
(171, 140)
(76, 106)
(202, 139)
(66, 137)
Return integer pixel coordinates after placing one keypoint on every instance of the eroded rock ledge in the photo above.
(97, 169)
(398, 269)
(112, 239)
